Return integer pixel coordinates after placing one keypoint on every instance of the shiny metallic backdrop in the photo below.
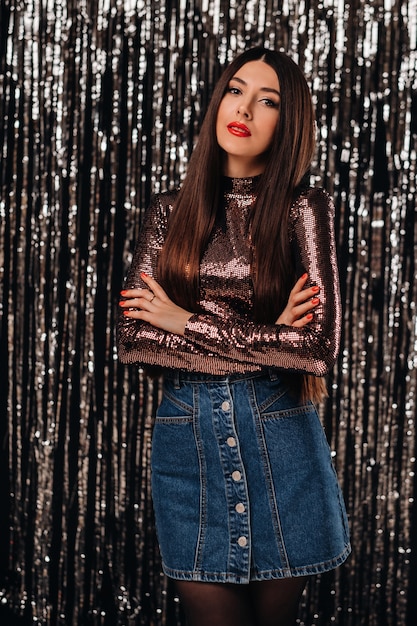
(101, 101)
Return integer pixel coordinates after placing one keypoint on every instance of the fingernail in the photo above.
(304, 276)
(123, 293)
(315, 301)
(315, 289)
(122, 303)
(309, 316)
(125, 312)
(144, 274)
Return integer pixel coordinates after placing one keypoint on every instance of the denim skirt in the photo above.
(243, 482)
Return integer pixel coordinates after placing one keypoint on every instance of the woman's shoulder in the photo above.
(164, 200)
(312, 199)
(312, 210)
(160, 206)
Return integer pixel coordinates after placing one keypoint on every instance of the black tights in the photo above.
(260, 603)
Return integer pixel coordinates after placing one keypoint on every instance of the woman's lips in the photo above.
(238, 129)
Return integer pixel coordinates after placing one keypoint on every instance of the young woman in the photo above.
(246, 500)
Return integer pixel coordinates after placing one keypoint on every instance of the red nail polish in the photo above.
(304, 276)
(123, 293)
(144, 274)
(315, 301)
(309, 316)
(125, 312)
(122, 303)
(315, 289)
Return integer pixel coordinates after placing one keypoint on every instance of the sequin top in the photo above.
(223, 339)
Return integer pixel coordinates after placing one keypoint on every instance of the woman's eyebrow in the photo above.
(265, 89)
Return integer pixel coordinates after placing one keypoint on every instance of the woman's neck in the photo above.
(241, 168)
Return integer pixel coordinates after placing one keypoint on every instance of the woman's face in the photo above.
(247, 118)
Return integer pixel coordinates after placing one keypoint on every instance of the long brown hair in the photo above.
(199, 199)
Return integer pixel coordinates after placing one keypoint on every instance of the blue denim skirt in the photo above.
(243, 482)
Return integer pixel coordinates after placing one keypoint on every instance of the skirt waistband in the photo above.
(179, 376)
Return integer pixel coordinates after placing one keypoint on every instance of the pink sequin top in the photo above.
(223, 339)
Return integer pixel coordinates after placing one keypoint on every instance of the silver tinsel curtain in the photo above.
(101, 102)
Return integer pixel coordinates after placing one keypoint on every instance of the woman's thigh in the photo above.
(260, 603)
(276, 602)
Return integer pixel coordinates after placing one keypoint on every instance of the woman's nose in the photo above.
(244, 110)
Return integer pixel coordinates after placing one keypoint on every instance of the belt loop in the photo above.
(177, 379)
(273, 375)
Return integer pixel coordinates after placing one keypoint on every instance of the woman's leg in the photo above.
(215, 604)
(276, 602)
(261, 603)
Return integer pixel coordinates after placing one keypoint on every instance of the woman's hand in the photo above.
(300, 305)
(153, 305)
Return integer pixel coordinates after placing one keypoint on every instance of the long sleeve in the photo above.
(223, 338)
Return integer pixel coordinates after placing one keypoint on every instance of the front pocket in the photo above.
(273, 397)
(297, 427)
(176, 404)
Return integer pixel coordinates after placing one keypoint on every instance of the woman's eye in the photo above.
(270, 103)
(234, 90)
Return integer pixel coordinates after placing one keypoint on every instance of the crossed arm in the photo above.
(152, 305)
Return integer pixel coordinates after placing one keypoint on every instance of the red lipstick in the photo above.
(238, 129)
